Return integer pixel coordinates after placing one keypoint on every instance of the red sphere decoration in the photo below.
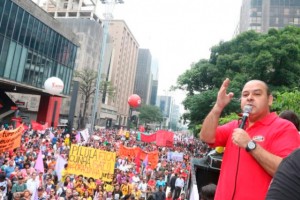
(134, 101)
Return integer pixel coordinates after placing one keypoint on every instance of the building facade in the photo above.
(34, 47)
(261, 15)
(143, 77)
(165, 105)
(82, 18)
(154, 82)
(123, 68)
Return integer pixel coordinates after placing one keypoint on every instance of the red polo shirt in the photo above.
(248, 179)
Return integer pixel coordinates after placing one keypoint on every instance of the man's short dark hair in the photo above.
(291, 116)
(208, 192)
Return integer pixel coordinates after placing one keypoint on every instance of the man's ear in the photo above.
(270, 100)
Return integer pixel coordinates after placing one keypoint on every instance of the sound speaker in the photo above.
(206, 175)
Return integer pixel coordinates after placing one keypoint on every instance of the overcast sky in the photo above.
(179, 32)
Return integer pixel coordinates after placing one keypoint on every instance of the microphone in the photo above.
(247, 109)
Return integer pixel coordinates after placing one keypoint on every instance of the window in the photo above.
(286, 11)
(5, 16)
(11, 20)
(18, 24)
(23, 27)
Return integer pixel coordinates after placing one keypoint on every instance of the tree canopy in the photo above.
(273, 57)
(150, 114)
(87, 86)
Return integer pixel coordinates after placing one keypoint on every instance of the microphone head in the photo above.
(247, 109)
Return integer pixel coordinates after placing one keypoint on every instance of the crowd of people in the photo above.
(258, 148)
(20, 179)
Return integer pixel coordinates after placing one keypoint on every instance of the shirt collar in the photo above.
(268, 119)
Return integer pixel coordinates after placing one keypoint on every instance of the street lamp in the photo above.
(109, 5)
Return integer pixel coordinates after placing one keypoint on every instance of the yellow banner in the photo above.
(91, 162)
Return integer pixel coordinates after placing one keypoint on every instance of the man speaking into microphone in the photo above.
(255, 145)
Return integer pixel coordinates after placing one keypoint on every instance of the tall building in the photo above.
(261, 15)
(82, 19)
(143, 78)
(165, 105)
(154, 82)
(175, 117)
(123, 68)
(34, 47)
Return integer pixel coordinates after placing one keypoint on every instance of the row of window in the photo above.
(26, 30)
(30, 51)
(285, 3)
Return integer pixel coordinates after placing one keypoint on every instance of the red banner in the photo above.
(38, 126)
(148, 138)
(164, 138)
(133, 153)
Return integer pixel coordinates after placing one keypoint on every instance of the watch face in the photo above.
(251, 145)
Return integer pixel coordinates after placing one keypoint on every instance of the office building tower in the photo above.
(261, 15)
(143, 77)
(154, 82)
(123, 67)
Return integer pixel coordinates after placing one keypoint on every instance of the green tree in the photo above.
(87, 87)
(150, 114)
(286, 101)
(273, 58)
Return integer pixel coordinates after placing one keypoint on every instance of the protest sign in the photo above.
(10, 139)
(91, 162)
(175, 156)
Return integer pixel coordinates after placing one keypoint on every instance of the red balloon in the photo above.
(134, 100)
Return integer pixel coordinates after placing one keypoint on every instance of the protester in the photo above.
(45, 180)
(286, 181)
(292, 117)
(179, 184)
(208, 192)
(160, 194)
(252, 155)
(5, 184)
(172, 182)
(20, 186)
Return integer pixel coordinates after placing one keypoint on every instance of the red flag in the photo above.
(45, 126)
(148, 138)
(138, 161)
(142, 128)
(164, 138)
(18, 123)
(25, 127)
(37, 126)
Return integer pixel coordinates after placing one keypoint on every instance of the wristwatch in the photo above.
(251, 146)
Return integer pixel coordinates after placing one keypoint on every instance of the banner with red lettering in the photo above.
(10, 139)
(148, 138)
(164, 138)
